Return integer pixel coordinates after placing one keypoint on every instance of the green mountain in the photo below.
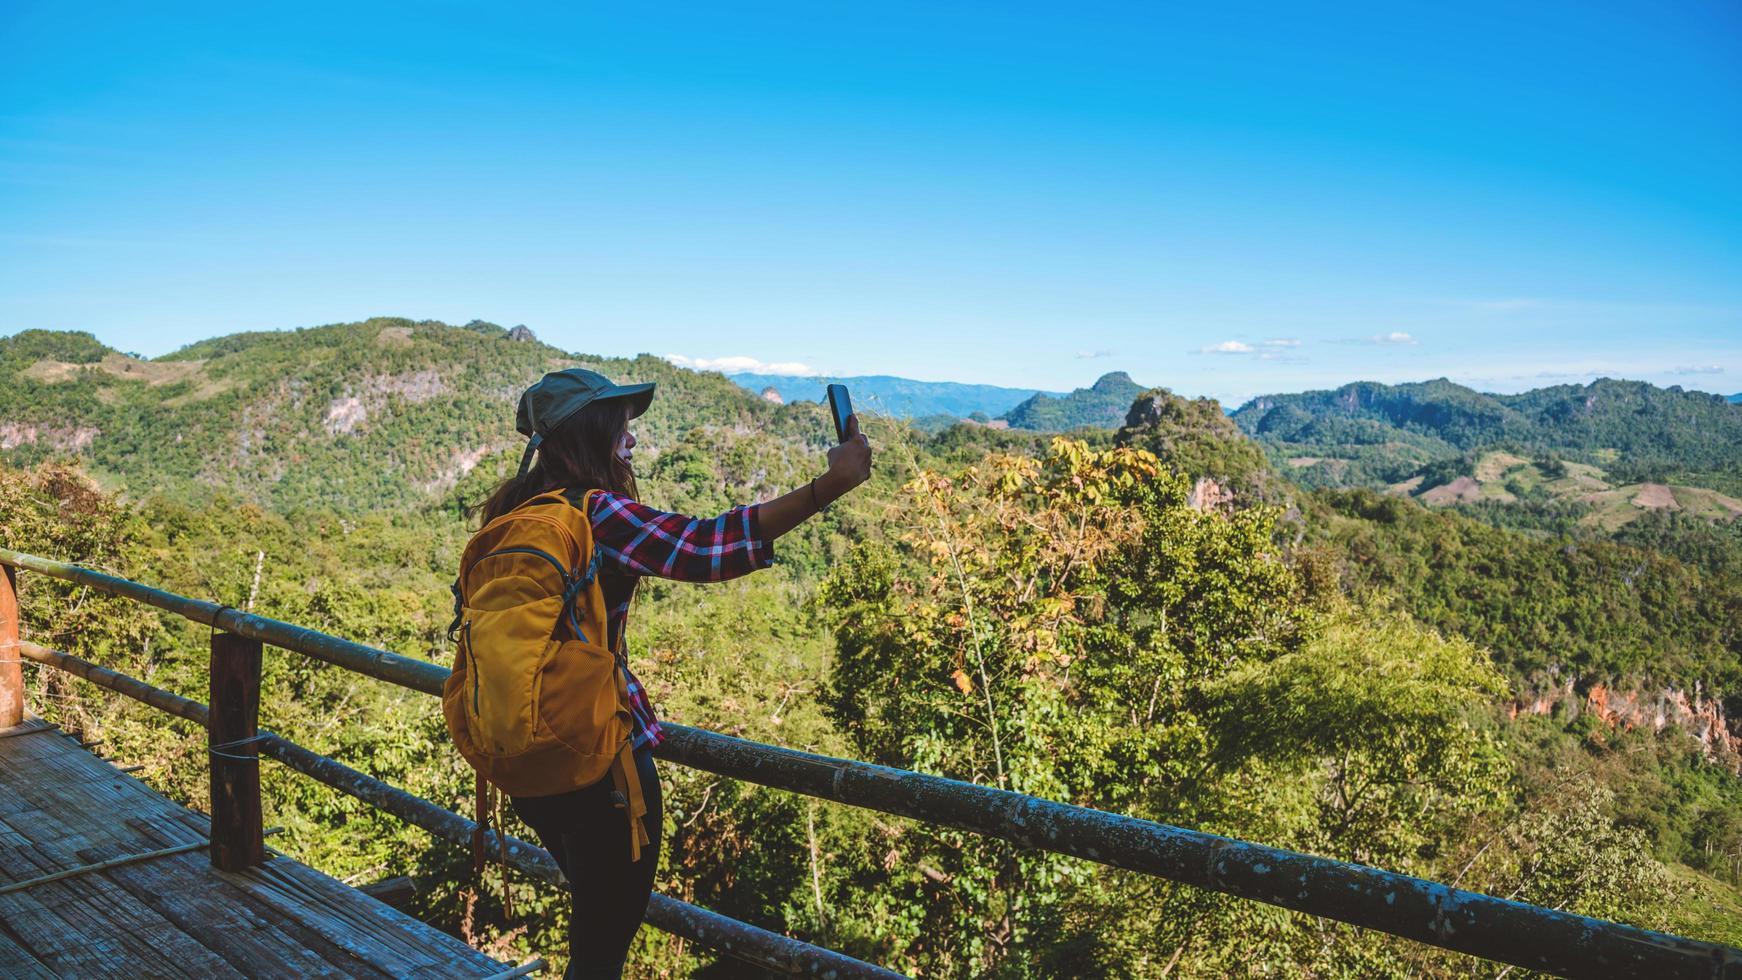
(363, 416)
(1196, 438)
(1101, 405)
(900, 397)
(1584, 491)
(1369, 434)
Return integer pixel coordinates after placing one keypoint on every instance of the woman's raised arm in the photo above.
(644, 540)
(849, 466)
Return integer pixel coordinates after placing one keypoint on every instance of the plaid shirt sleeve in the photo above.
(641, 540)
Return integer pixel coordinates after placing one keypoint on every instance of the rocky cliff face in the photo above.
(70, 438)
(1701, 717)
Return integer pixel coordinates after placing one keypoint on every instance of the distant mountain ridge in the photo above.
(1368, 433)
(388, 412)
(1101, 405)
(900, 397)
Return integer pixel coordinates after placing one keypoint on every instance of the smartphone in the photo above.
(840, 406)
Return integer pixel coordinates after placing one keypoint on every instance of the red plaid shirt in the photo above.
(634, 540)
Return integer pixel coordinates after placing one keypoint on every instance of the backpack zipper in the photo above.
(472, 663)
(560, 570)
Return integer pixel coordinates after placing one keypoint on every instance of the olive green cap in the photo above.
(557, 396)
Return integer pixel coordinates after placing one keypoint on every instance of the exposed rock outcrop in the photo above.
(68, 438)
(1208, 495)
(1699, 716)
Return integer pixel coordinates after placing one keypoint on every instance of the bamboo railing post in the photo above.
(11, 663)
(237, 838)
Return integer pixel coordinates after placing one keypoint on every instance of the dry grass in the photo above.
(1463, 490)
(118, 365)
(1493, 466)
(208, 388)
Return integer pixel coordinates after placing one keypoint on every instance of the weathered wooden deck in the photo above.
(174, 916)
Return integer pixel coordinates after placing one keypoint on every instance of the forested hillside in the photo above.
(1100, 405)
(1155, 619)
(1368, 434)
(386, 413)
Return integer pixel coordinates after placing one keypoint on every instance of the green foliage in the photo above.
(1584, 606)
(384, 414)
(1391, 713)
(1197, 439)
(1071, 627)
(1716, 548)
(1100, 405)
(55, 511)
(1054, 616)
(1383, 432)
(26, 347)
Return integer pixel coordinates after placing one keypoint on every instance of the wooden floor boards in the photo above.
(174, 916)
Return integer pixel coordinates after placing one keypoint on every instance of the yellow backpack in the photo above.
(536, 703)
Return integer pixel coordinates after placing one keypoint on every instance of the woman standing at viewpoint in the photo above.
(578, 425)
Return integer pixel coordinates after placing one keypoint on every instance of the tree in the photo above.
(1042, 625)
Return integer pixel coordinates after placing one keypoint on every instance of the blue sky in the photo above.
(1228, 199)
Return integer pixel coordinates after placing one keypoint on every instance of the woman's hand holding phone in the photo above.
(849, 466)
(849, 462)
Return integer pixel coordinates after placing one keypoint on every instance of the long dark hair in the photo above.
(580, 455)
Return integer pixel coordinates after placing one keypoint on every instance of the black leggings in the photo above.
(589, 838)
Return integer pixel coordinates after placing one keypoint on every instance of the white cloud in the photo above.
(1395, 337)
(740, 364)
(1699, 369)
(1276, 349)
(1228, 347)
(1089, 355)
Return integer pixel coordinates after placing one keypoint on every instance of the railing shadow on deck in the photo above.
(1515, 933)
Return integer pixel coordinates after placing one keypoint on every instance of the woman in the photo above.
(577, 422)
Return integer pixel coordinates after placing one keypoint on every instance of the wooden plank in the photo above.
(397, 892)
(79, 927)
(382, 934)
(78, 919)
(367, 927)
(235, 759)
(20, 962)
(188, 906)
(103, 864)
(176, 915)
(257, 941)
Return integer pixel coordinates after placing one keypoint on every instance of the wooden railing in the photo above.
(1548, 940)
